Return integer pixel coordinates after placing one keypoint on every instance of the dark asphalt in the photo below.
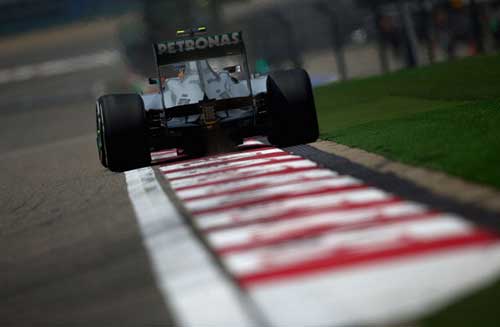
(70, 248)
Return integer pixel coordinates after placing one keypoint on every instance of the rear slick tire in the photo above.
(122, 133)
(292, 109)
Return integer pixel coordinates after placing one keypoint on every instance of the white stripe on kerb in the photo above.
(261, 181)
(283, 190)
(250, 142)
(198, 292)
(359, 241)
(242, 173)
(219, 159)
(261, 211)
(249, 233)
(225, 165)
(155, 156)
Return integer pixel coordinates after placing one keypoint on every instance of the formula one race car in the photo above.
(207, 98)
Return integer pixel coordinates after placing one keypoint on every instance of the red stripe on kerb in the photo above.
(216, 163)
(235, 179)
(339, 259)
(227, 154)
(309, 232)
(300, 213)
(219, 159)
(249, 202)
(262, 185)
(234, 168)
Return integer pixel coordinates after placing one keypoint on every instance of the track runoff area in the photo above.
(265, 237)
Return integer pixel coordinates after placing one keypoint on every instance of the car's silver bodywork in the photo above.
(192, 87)
(200, 81)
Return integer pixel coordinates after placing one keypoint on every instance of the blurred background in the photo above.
(332, 39)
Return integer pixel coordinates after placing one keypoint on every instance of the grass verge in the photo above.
(444, 117)
(479, 309)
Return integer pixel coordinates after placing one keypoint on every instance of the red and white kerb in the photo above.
(313, 247)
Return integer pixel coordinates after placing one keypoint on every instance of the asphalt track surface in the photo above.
(74, 249)
(70, 249)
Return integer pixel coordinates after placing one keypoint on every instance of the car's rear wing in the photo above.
(195, 48)
(198, 48)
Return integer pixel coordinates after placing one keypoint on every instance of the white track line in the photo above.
(199, 293)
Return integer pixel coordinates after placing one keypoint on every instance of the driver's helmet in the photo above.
(185, 69)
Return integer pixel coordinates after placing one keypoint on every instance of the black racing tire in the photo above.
(122, 134)
(292, 109)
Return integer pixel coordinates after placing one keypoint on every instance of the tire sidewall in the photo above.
(292, 108)
(124, 131)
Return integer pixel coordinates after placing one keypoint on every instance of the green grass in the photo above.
(480, 309)
(445, 117)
